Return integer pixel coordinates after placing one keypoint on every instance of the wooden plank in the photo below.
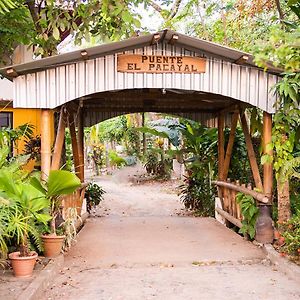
(256, 195)
(74, 143)
(267, 149)
(137, 63)
(228, 217)
(251, 153)
(45, 143)
(234, 121)
(59, 141)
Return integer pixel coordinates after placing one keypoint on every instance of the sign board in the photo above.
(137, 63)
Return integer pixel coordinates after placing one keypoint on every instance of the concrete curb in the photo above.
(282, 263)
(43, 280)
(36, 288)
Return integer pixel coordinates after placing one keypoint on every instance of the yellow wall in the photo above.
(31, 116)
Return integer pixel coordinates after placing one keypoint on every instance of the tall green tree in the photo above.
(46, 23)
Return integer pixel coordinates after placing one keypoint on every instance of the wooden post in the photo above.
(226, 164)
(81, 145)
(144, 135)
(74, 143)
(221, 142)
(251, 153)
(267, 149)
(45, 143)
(59, 141)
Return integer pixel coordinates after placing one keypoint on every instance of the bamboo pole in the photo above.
(81, 145)
(226, 164)
(74, 143)
(251, 153)
(221, 142)
(267, 149)
(229, 217)
(45, 143)
(59, 141)
(256, 195)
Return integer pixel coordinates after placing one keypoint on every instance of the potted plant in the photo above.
(60, 182)
(24, 208)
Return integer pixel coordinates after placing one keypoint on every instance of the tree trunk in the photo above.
(284, 205)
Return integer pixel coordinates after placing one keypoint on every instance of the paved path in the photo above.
(139, 246)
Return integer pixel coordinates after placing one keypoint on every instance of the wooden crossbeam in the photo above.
(251, 153)
(59, 141)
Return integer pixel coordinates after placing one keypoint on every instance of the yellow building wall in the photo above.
(22, 116)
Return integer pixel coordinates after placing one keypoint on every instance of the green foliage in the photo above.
(94, 195)
(47, 23)
(249, 212)
(291, 234)
(60, 182)
(23, 211)
(116, 160)
(157, 164)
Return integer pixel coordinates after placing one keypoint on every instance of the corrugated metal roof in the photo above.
(187, 42)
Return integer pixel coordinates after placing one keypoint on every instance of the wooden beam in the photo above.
(251, 153)
(59, 141)
(234, 121)
(81, 145)
(74, 143)
(229, 217)
(45, 143)
(256, 195)
(267, 149)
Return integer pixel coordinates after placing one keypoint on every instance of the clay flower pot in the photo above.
(52, 244)
(23, 266)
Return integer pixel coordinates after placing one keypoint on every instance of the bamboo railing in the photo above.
(74, 200)
(231, 210)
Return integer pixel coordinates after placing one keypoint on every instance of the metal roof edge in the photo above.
(132, 43)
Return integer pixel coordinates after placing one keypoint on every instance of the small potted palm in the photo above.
(59, 183)
(24, 208)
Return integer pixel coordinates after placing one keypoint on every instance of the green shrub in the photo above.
(291, 234)
(94, 195)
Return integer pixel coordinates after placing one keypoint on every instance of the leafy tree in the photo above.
(46, 23)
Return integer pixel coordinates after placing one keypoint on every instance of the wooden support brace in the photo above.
(234, 121)
(81, 145)
(59, 141)
(74, 143)
(251, 153)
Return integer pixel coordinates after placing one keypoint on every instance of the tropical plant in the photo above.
(24, 211)
(94, 195)
(291, 234)
(115, 160)
(59, 182)
(249, 212)
(33, 148)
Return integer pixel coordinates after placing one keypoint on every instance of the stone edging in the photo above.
(36, 288)
(43, 280)
(282, 263)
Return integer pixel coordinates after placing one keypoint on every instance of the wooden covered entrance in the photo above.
(162, 72)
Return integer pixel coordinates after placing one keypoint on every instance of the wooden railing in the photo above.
(231, 210)
(74, 200)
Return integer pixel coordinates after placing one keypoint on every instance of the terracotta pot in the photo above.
(52, 244)
(23, 266)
